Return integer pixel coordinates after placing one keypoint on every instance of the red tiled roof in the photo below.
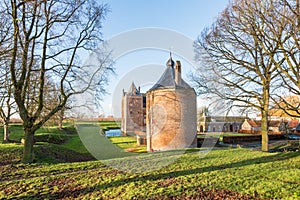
(253, 123)
(257, 123)
(293, 123)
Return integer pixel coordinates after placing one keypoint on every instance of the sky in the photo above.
(144, 32)
(185, 16)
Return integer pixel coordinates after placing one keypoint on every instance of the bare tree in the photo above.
(6, 99)
(51, 96)
(286, 31)
(49, 36)
(238, 58)
(7, 103)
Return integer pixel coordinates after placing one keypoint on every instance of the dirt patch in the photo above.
(131, 149)
(205, 194)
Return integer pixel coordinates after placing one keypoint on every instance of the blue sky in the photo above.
(187, 17)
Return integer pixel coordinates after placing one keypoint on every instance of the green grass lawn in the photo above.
(16, 132)
(128, 143)
(51, 145)
(258, 174)
(106, 125)
(44, 134)
(222, 171)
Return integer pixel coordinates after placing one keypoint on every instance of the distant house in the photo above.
(251, 125)
(220, 123)
(292, 125)
(277, 126)
(274, 125)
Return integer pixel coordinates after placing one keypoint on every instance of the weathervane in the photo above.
(171, 47)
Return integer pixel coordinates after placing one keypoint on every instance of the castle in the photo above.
(167, 111)
(133, 111)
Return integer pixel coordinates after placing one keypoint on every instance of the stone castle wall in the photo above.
(171, 119)
(132, 114)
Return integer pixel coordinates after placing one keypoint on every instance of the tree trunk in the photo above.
(60, 119)
(60, 124)
(265, 115)
(28, 154)
(264, 131)
(264, 118)
(6, 131)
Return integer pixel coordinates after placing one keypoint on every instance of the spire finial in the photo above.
(170, 62)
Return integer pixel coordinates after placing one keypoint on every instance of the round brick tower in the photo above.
(171, 112)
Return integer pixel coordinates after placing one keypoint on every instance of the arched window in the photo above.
(201, 129)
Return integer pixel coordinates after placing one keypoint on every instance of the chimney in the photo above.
(178, 72)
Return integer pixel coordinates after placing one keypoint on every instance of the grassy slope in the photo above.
(248, 172)
(266, 175)
(52, 145)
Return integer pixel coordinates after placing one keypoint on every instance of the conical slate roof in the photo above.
(167, 80)
(133, 90)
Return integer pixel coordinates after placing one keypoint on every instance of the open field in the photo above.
(105, 125)
(109, 125)
(233, 173)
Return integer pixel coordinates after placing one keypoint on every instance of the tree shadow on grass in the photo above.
(161, 176)
(261, 160)
(130, 142)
